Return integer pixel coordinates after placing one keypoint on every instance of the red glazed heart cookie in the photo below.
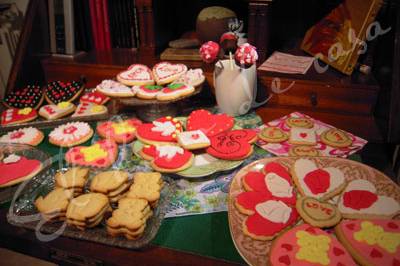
(16, 116)
(321, 183)
(168, 158)
(121, 131)
(164, 129)
(17, 168)
(210, 124)
(232, 145)
(71, 134)
(371, 242)
(165, 72)
(136, 75)
(361, 200)
(27, 135)
(95, 97)
(306, 245)
(102, 154)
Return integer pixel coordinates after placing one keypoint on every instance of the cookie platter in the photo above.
(23, 213)
(256, 250)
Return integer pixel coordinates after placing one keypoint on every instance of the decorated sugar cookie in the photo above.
(209, 123)
(30, 96)
(164, 129)
(136, 75)
(89, 109)
(360, 200)
(272, 135)
(192, 140)
(17, 116)
(17, 168)
(302, 136)
(306, 245)
(95, 97)
(121, 131)
(318, 213)
(320, 183)
(303, 150)
(101, 154)
(28, 135)
(232, 145)
(53, 111)
(71, 134)
(148, 91)
(336, 138)
(174, 91)
(115, 89)
(60, 91)
(165, 72)
(371, 242)
(168, 158)
(193, 77)
(299, 122)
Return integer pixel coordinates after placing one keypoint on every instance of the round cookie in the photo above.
(299, 122)
(272, 135)
(304, 151)
(28, 135)
(317, 213)
(336, 138)
(16, 168)
(71, 134)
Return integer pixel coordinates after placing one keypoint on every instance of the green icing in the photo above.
(153, 87)
(175, 86)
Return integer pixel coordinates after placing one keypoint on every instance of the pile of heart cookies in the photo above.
(165, 81)
(297, 202)
(170, 145)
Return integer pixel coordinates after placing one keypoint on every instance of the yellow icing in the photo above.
(123, 128)
(93, 153)
(313, 248)
(25, 111)
(63, 105)
(375, 235)
(97, 109)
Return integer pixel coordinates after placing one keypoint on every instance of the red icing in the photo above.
(359, 199)
(175, 162)
(288, 247)
(98, 97)
(249, 200)
(70, 130)
(255, 181)
(338, 251)
(350, 226)
(49, 109)
(396, 262)
(318, 181)
(303, 135)
(150, 151)
(17, 135)
(209, 51)
(19, 169)
(15, 117)
(392, 225)
(170, 89)
(106, 130)
(144, 131)
(285, 260)
(376, 253)
(210, 124)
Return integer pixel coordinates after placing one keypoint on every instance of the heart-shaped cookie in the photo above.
(60, 91)
(89, 109)
(16, 116)
(121, 131)
(17, 168)
(52, 111)
(115, 89)
(360, 199)
(165, 72)
(232, 145)
(102, 154)
(318, 213)
(320, 183)
(164, 129)
(30, 96)
(94, 97)
(136, 75)
(209, 123)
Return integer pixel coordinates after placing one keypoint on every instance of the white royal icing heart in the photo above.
(169, 151)
(274, 210)
(278, 186)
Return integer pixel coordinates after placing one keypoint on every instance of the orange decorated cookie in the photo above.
(336, 138)
(272, 135)
(102, 154)
(371, 242)
(121, 131)
(17, 168)
(305, 245)
(70, 134)
(164, 129)
(209, 123)
(16, 116)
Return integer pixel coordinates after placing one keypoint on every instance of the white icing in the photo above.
(82, 129)
(169, 151)
(304, 166)
(137, 72)
(274, 210)
(192, 77)
(185, 138)
(88, 109)
(278, 186)
(29, 134)
(166, 128)
(203, 159)
(296, 132)
(57, 110)
(165, 70)
(112, 86)
(12, 158)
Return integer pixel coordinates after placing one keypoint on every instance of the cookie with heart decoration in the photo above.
(17, 116)
(371, 242)
(136, 75)
(164, 129)
(113, 88)
(318, 213)
(320, 183)
(209, 123)
(52, 111)
(120, 131)
(302, 136)
(174, 91)
(306, 245)
(165, 72)
(89, 109)
(70, 134)
(167, 158)
(95, 97)
(28, 135)
(16, 168)
(232, 145)
(101, 154)
(60, 91)
(361, 200)
(30, 96)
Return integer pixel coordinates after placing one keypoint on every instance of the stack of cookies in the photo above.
(129, 219)
(146, 186)
(73, 179)
(87, 210)
(113, 184)
(54, 205)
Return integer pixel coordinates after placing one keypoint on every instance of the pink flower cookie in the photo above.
(71, 134)
(28, 135)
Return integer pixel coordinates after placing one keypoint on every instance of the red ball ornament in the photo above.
(246, 55)
(209, 51)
